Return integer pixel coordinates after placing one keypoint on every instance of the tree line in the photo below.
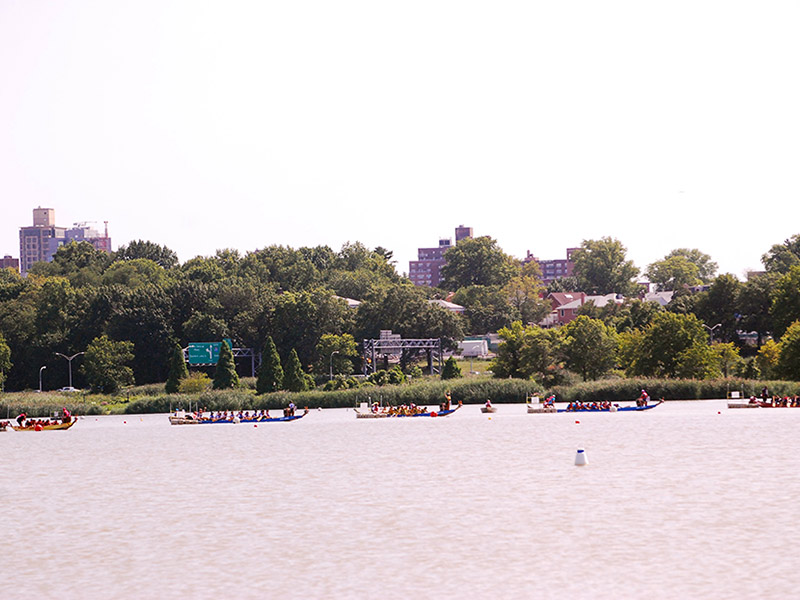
(138, 303)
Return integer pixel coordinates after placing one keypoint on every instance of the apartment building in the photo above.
(426, 269)
(553, 269)
(40, 241)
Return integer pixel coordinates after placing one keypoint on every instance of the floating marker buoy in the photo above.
(37, 427)
(578, 422)
(580, 458)
(433, 414)
(255, 424)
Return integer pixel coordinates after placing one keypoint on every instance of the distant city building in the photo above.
(39, 242)
(9, 263)
(425, 270)
(555, 268)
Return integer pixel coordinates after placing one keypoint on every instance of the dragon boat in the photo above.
(610, 409)
(40, 426)
(368, 414)
(183, 418)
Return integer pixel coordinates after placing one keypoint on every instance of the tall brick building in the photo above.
(40, 241)
(426, 269)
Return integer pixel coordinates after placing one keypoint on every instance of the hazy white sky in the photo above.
(203, 125)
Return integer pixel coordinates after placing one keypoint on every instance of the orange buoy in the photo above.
(433, 414)
(37, 427)
(577, 422)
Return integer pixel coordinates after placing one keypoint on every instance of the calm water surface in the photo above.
(690, 500)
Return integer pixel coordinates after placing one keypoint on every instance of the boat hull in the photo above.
(541, 409)
(56, 427)
(612, 409)
(190, 420)
(372, 415)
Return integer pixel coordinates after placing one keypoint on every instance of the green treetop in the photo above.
(225, 376)
(270, 373)
(177, 370)
(294, 378)
(602, 268)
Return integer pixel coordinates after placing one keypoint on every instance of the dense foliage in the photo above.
(130, 310)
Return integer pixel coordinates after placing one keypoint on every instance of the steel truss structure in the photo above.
(374, 348)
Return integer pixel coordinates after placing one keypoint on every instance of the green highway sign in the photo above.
(205, 353)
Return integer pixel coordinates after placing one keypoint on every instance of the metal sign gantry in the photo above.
(375, 347)
(192, 358)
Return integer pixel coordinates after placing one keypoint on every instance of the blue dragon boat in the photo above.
(184, 418)
(370, 414)
(609, 409)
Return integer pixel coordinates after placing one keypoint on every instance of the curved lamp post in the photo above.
(331, 363)
(69, 360)
(711, 331)
(42, 368)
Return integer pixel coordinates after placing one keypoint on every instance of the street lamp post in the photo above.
(69, 360)
(331, 363)
(711, 331)
(42, 368)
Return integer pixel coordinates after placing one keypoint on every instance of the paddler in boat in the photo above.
(642, 399)
(446, 404)
(21, 419)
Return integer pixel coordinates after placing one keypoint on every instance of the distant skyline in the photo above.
(206, 125)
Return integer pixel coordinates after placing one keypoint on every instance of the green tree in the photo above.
(177, 371)
(80, 262)
(143, 316)
(718, 305)
(336, 354)
(225, 376)
(477, 261)
(134, 273)
(526, 296)
(767, 359)
(161, 255)
(105, 364)
(661, 346)
(727, 357)
(202, 327)
(782, 257)
(290, 269)
(788, 366)
(673, 273)
(487, 308)
(270, 373)
(509, 359)
(785, 308)
(294, 379)
(195, 383)
(540, 356)
(590, 347)
(202, 269)
(697, 362)
(451, 370)
(5, 361)
(755, 299)
(405, 310)
(601, 268)
(706, 268)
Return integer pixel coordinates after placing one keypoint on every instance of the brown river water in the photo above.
(689, 500)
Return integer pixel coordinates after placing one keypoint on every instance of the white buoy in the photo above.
(580, 458)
